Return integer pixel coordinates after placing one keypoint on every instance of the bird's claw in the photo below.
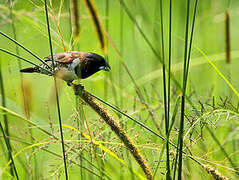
(69, 83)
(78, 88)
(75, 85)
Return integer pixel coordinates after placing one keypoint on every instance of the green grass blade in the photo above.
(169, 131)
(6, 135)
(24, 59)
(17, 43)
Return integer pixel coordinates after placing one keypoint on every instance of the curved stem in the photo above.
(115, 126)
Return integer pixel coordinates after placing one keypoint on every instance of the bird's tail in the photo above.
(30, 70)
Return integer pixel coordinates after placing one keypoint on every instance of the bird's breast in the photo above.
(66, 74)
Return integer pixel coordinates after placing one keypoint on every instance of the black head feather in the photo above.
(92, 64)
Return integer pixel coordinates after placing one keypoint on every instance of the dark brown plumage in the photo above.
(72, 65)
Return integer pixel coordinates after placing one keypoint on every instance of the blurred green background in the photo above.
(205, 86)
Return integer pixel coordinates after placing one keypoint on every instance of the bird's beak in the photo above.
(106, 67)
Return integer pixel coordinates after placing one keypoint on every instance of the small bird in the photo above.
(71, 65)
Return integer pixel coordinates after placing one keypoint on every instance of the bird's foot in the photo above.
(78, 88)
(69, 83)
(78, 85)
(77, 81)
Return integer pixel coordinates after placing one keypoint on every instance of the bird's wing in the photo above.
(67, 57)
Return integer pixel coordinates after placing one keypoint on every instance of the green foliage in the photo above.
(211, 107)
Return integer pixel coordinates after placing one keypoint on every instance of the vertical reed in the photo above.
(121, 35)
(75, 10)
(107, 42)
(56, 91)
(6, 134)
(168, 176)
(25, 95)
(227, 36)
(75, 17)
(186, 63)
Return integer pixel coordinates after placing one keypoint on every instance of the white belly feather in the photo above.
(68, 73)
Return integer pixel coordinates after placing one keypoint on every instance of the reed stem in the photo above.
(56, 91)
(6, 135)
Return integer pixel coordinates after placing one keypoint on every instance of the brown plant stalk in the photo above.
(115, 126)
(75, 17)
(97, 23)
(215, 174)
(227, 36)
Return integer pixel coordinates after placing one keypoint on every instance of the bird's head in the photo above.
(97, 61)
(93, 64)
